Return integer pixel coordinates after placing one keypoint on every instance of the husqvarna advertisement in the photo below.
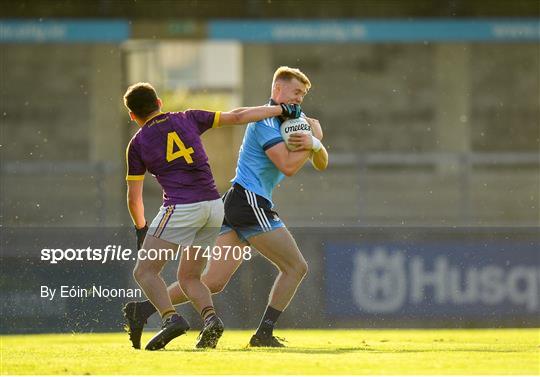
(485, 280)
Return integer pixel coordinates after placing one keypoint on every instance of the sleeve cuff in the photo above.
(134, 177)
(217, 115)
(271, 143)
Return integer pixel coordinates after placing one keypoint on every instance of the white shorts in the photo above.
(194, 224)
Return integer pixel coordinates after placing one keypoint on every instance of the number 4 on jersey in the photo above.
(174, 140)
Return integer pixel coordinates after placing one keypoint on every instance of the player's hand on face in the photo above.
(291, 110)
(315, 127)
(299, 141)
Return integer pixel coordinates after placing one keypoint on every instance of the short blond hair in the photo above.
(288, 73)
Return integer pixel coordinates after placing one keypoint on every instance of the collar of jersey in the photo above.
(151, 119)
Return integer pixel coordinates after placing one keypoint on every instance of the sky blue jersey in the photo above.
(255, 171)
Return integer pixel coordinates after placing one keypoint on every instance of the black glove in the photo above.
(290, 111)
(141, 233)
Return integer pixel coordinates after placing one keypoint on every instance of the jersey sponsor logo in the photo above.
(157, 121)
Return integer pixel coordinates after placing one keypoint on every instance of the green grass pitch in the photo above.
(374, 352)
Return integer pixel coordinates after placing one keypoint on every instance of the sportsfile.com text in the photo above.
(118, 253)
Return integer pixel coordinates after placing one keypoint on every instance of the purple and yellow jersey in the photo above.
(169, 146)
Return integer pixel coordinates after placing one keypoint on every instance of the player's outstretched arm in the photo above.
(254, 114)
(135, 202)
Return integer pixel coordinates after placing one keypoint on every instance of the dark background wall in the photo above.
(274, 9)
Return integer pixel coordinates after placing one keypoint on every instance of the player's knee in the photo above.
(141, 273)
(184, 283)
(186, 280)
(302, 268)
(216, 286)
(297, 269)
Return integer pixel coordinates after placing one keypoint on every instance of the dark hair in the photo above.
(141, 99)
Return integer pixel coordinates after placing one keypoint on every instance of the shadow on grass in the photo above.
(276, 350)
(341, 350)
